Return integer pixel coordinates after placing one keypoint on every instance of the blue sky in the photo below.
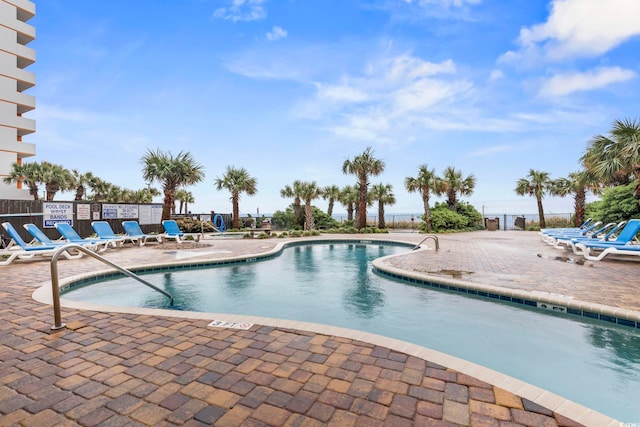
(290, 89)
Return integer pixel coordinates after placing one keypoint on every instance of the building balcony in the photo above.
(26, 9)
(23, 149)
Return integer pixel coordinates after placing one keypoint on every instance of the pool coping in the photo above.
(545, 398)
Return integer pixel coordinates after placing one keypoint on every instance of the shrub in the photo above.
(189, 225)
(443, 219)
(616, 204)
(287, 221)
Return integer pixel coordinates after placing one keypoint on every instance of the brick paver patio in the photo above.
(117, 369)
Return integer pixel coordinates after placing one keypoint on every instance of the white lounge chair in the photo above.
(135, 233)
(172, 231)
(596, 251)
(19, 249)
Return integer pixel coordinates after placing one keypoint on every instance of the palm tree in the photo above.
(331, 193)
(363, 166)
(237, 181)
(114, 194)
(146, 195)
(28, 173)
(423, 184)
(309, 191)
(173, 172)
(80, 182)
(294, 191)
(348, 197)
(55, 178)
(383, 194)
(99, 189)
(535, 184)
(578, 183)
(615, 159)
(188, 198)
(182, 196)
(452, 183)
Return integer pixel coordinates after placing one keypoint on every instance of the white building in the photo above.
(15, 56)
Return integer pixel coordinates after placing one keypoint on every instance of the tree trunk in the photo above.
(452, 201)
(579, 205)
(350, 212)
(381, 223)
(80, 191)
(308, 214)
(34, 192)
(330, 208)
(541, 212)
(427, 212)
(362, 205)
(235, 199)
(167, 204)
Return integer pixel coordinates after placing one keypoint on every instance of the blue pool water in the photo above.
(589, 362)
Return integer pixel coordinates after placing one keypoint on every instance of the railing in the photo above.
(55, 288)
(429, 236)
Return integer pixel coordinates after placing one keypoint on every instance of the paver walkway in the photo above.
(131, 369)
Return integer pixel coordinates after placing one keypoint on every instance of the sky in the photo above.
(290, 89)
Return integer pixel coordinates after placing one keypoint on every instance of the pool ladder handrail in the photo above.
(55, 280)
(429, 236)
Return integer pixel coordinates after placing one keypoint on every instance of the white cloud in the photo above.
(389, 101)
(578, 28)
(242, 10)
(496, 75)
(276, 33)
(340, 93)
(564, 84)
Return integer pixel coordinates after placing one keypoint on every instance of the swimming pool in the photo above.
(589, 362)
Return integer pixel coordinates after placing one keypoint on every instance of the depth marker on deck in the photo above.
(231, 325)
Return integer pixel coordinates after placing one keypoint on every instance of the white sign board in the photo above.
(54, 212)
(109, 211)
(119, 211)
(128, 211)
(83, 211)
(149, 214)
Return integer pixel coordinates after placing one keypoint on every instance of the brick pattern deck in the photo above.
(113, 369)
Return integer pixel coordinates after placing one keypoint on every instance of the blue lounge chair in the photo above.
(18, 248)
(134, 232)
(39, 238)
(71, 236)
(105, 232)
(620, 246)
(602, 234)
(551, 236)
(172, 232)
(583, 226)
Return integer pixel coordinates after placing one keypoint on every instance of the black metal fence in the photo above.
(501, 221)
(82, 213)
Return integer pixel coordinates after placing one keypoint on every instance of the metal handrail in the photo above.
(55, 279)
(429, 236)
